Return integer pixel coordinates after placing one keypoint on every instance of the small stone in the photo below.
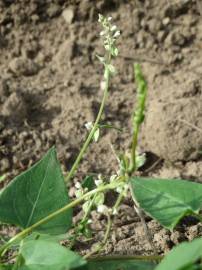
(154, 25)
(175, 38)
(4, 164)
(161, 35)
(68, 15)
(23, 66)
(166, 21)
(15, 108)
(54, 10)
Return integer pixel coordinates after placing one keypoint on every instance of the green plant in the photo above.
(38, 203)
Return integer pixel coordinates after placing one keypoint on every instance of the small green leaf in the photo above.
(110, 127)
(115, 51)
(182, 257)
(88, 183)
(96, 135)
(48, 255)
(2, 177)
(140, 160)
(36, 193)
(86, 206)
(99, 199)
(119, 264)
(111, 69)
(167, 200)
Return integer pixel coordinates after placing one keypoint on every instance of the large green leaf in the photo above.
(35, 194)
(120, 264)
(48, 255)
(182, 257)
(167, 200)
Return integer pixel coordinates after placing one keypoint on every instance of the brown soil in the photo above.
(50, 86)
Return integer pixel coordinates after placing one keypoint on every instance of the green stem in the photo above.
(138, 258)
(25, 232)
(133, 151)
(101, 245)
(90, 136)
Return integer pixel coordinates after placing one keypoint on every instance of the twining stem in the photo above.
(104, 241)
(139, 113)
(133, 150)
(95, 125)
(107, 232)
(25, 232)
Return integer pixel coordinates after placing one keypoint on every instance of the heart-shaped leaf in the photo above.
(36, 193)
(182, 257)
(48, 255)
(167, 200)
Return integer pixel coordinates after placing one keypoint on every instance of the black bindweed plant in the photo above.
(38, 203)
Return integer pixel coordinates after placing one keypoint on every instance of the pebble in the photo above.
(166, 21)
(154, 25)
(23, 66)
(4, 164)
(68, 15)
(54, 10)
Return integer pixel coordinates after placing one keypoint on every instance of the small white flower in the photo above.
(103, 209)
(112, 178)
(100, 17)
(102, 85)
(109, 19)
(119, 189)
(112, 69)
(78, 185)
(114, 27)
(98, 182)
(78, 193)
(88, 125)
(107, 47)
(116, 34)
(115, 212)
(89, 221)
(102, 33)
(85, 189)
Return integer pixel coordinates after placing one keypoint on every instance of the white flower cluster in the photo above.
(96, 135)
(80, 191)
(121, 189)
(110, 33)
(97, 202)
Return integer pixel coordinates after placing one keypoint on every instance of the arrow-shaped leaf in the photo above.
(36, 193)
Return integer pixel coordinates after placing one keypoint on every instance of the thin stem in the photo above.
(146, 229)
(101, 245)
(25, 232)
(90, 136)
(126, 257)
